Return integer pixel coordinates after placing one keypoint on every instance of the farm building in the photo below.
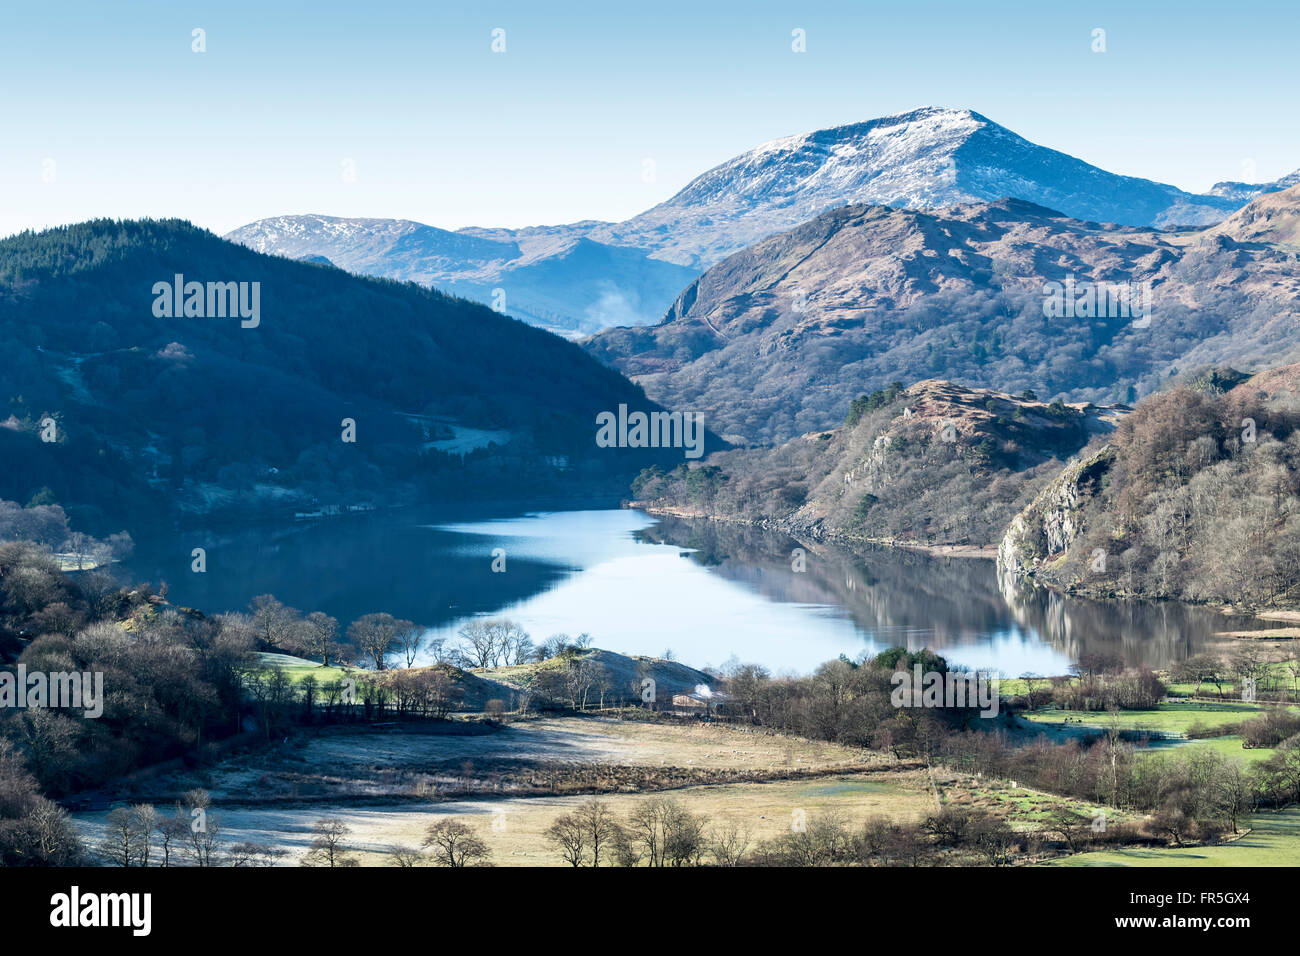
(702, 701)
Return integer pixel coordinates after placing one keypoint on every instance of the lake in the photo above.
(704, 591)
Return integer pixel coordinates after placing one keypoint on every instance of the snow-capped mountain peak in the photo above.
(927, 158)
(591, 274)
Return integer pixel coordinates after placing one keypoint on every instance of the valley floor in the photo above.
(388, 785)
(1273, 839)
(511, 784)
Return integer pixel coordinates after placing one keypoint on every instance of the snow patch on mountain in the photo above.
(584, 276)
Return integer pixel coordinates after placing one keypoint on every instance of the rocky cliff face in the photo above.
(933, 464)
(1043, 532)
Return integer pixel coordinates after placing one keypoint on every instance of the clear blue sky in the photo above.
(557, 128)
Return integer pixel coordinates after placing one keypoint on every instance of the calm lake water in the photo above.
(643, 585)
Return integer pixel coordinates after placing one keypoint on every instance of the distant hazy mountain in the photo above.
(152, 410)
(557, 280)
(586, 276)
(775, 340)
(1244, 192)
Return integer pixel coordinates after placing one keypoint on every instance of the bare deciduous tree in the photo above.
(410, 640)
(204, 827)
(252, 854)
(666, 832)
(599, 825)
(375, 636)
(326, 849)
(319, 636)
(454, 844)
(728, 842)
(406, 856)
(118, 844)
(275, 624)
(569, 837)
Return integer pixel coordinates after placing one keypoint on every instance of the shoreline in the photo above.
(972, 551)
(987, 552)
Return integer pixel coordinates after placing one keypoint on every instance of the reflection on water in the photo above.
(960, 607)
(706, 591)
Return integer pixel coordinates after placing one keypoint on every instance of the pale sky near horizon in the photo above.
(110, 113)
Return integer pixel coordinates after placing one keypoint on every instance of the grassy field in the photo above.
(368, 780)
(1019, 806)
(338, 766)
(271, 797)
(298, 667)
(1273, 840)
(1171, 717)
(670, 677)
(1230, 746)
(514, 828)
(1280, 678)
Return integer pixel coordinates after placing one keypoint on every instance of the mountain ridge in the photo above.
(772, 341)
(565, 283)
(928, 158)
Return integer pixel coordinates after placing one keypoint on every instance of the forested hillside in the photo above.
(1194, 494)
(933, 463)
(220, 412)
(1196, 497)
